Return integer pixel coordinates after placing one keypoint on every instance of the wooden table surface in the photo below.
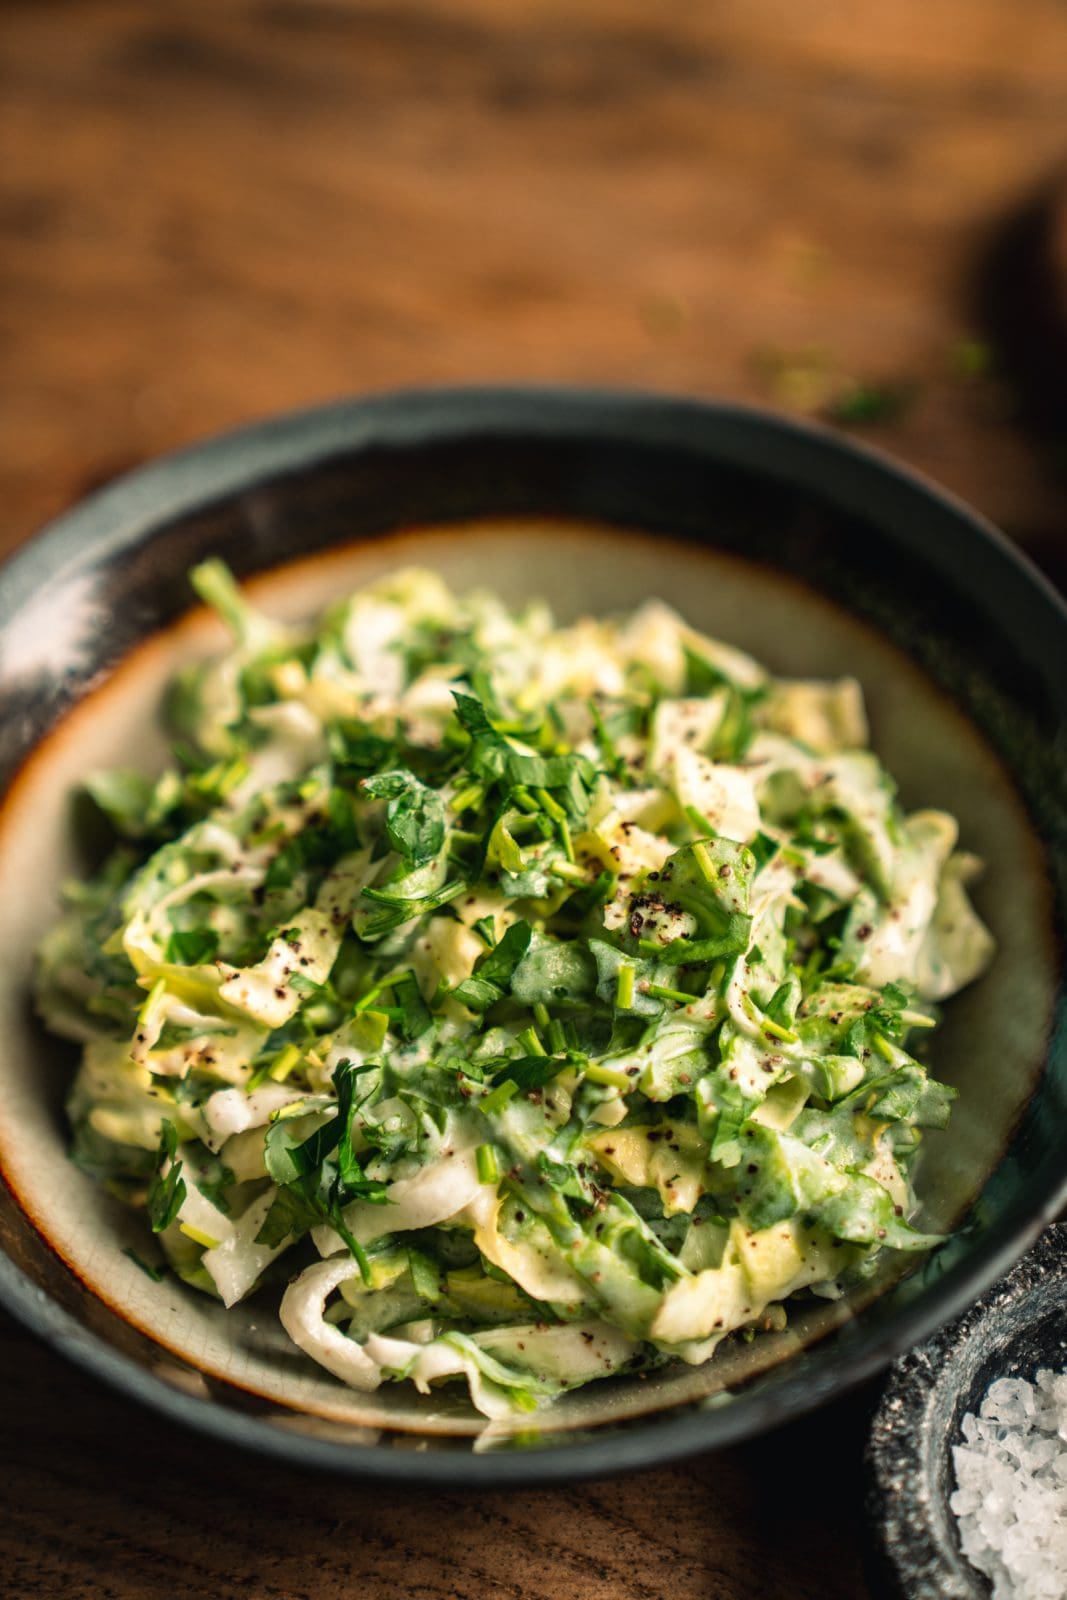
(212, 212)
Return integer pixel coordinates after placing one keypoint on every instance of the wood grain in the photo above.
(212, 212)
(103, 1503)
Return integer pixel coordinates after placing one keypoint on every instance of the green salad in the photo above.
(515, 1003)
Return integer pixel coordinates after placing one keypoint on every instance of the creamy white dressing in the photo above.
(595, 980)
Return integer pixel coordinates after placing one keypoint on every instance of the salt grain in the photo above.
(1011, 1494)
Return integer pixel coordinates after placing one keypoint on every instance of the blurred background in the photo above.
(209, 212)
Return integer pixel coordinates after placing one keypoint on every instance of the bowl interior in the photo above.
(728, 556)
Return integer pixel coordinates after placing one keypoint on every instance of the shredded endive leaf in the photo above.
(536, 1003)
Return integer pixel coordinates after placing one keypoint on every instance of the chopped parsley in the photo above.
(508, 983)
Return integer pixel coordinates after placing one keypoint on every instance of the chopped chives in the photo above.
(661, 992)
(523, 798)
(284, 1062)
(197, 1236)
(551, 805)
(883, 1047)
(776, 1031)
(624, 987)
(498, 1098)
(609, 1076)
(916, 1019)
(488, 1167)
(467, 799)
(704, 862)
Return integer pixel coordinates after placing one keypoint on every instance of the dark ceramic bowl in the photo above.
(817, 555)
(1016, 1329)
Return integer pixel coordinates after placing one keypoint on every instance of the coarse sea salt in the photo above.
(1011, 1494)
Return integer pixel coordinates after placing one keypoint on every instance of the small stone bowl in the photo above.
(1016, 1329)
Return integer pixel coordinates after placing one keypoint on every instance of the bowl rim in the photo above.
(850, 475)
